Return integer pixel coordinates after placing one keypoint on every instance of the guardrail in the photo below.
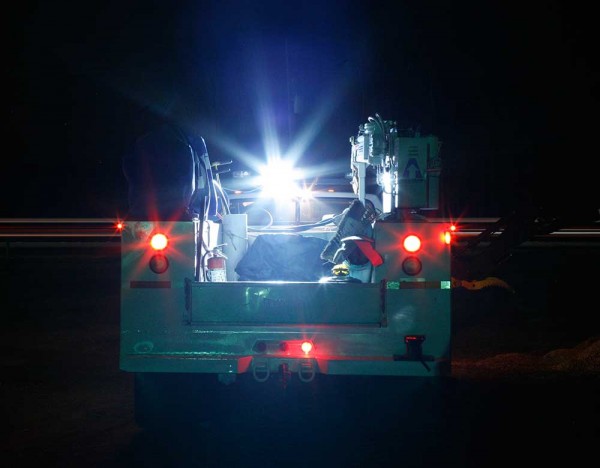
(60, 228)
(24, 229)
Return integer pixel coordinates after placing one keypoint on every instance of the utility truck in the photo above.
(221, 288)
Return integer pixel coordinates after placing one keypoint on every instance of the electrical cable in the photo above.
(269, 224)
(301, 228)
(224, 197)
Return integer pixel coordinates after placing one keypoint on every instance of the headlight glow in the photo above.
(279, 179)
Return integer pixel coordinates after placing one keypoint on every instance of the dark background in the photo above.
(510, 89)
(524, 384)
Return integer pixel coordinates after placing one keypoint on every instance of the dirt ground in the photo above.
(525, 383)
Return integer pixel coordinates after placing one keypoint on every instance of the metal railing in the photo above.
(59, 228)
(108, 229)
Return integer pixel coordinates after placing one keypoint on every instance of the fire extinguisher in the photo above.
(216, 271)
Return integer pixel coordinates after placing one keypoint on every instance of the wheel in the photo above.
(146, 399)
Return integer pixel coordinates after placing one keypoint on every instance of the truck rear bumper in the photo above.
(306, 368)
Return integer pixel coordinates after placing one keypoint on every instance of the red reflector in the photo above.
(409, 338)
(412, 266)
(159, 263)
(412, 243)
(306, 347)
(159, 241)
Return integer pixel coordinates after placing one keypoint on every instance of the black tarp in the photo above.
(284, 257)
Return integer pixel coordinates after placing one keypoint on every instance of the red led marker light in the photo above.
(306, 347)
(159, 241)
(119, 225)
(412, 243)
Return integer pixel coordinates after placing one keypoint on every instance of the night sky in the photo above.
(510, 89)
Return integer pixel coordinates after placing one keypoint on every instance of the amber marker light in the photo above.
(159, 241)
(447, 237)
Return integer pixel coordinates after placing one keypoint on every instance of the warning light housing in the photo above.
(159, 263)
(412, 266)
(292, 348)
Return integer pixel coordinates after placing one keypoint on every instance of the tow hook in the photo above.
(260, 370)
(306, 372)
(285, 374)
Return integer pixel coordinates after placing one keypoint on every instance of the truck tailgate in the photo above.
(285, 303)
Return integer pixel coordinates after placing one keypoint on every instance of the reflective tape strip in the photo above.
(150, 284)
(418, 285)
